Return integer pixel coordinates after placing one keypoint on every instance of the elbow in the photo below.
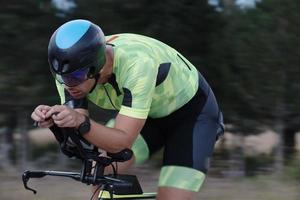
(126, 143)
(121, 144)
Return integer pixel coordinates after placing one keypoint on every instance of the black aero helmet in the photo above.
(76, 52)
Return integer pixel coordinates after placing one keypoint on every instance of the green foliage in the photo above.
(24, 76)
(257, 55)
(259, 164)
(293, 170)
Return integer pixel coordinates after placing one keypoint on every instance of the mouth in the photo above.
(75, 94)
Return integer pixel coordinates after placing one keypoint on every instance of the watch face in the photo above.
(85, 126)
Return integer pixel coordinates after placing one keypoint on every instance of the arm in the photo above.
(110, 139)
(118, 138)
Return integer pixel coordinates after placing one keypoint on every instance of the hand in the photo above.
(64, 116)
(39, 115)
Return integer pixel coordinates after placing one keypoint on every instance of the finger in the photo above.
(34, 116)
(68, 121)
(63, 114)
(38, 114)
(44, 107)
(46, 124)
(37, 117)
(54, 109)
(59, 116)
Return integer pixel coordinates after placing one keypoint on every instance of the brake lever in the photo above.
(25, 178)
(32, 174)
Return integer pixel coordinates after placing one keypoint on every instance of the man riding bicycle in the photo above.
(161, 99)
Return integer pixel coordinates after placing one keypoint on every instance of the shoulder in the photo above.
(131, 41)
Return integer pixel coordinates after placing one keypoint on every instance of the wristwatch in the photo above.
(84, 127)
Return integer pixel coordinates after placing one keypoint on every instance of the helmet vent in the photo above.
(64, 67)
(55, 64)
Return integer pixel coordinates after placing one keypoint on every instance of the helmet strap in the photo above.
(96, 77)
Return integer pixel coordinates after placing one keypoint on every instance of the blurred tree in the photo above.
(28, 25)
(257, 56)
(185, 24)
(24, 73)
(24, 77)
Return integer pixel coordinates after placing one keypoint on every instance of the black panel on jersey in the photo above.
(113, 82)
(127, 100)
(162, 74)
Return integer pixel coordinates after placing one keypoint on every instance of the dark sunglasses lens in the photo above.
(75, 78)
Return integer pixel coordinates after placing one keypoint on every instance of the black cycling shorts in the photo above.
(188, 135)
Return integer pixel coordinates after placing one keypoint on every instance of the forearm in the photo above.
(109, 139)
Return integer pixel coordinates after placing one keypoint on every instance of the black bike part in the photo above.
(86, 169)
(29, 174)
(67, 146)
(73, 145)
(57, 133)
(121, 156)
(116, 183)
(98, 170)
(119, 187)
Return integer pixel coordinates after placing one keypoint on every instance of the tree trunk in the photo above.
(279, 148)
(7, 145)
(289, 142)
(24, 142)
(10, 122)
(237, 159)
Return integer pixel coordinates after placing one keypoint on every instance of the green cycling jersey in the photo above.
(149, 78)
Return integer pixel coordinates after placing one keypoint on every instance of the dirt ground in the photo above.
(263, 187)
(49, 188)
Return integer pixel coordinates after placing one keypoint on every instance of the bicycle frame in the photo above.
(106, 196)
(113, 186)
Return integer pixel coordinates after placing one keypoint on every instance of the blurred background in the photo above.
(248, 50)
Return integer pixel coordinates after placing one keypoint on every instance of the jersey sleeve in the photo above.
(138, 87)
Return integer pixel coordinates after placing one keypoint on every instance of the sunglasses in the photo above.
(74, 78)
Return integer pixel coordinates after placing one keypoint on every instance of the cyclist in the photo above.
(161, 99)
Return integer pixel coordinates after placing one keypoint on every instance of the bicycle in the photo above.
(112, 186)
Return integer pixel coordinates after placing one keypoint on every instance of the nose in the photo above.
(70, 88)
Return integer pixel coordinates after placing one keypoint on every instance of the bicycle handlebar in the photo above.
(109, 181)
(40, 174)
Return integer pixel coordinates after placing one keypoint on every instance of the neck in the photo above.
(107, 69)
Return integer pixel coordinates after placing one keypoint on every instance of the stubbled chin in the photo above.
(77, 96)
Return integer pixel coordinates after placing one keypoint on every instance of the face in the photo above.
(81, 90)
(85, 84)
